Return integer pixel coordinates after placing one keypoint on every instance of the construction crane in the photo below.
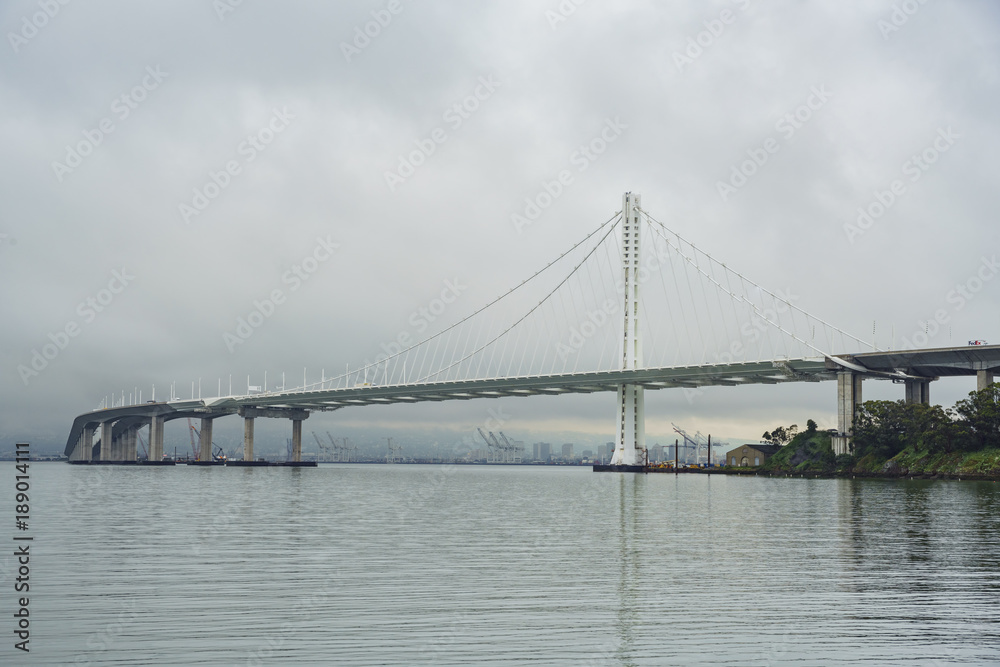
(195, 453)
(145, 449)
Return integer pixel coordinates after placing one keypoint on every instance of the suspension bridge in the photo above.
(631, 307)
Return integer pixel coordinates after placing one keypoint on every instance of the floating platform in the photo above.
(103, 463)
(271, 464)
(607, 467)
(205, 463)
(164, 462)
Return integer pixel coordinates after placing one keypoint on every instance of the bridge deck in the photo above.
(885, 365)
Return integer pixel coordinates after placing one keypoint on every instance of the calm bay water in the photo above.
(458, 565)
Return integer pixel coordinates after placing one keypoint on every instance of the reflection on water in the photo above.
(629, 501)
(458, 565)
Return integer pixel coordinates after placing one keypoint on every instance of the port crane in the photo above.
(323, 449)
(493, 447)
(689, 443)
(395, 452)
(342, 453)
(514, 450)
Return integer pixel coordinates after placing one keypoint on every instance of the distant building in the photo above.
(541, 451)
(588, 454)
(750, 455)
(567, 451)
(656, 454)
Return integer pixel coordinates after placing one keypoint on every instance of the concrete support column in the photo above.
(85, 447)
(118, 447)
(106, 441)
(131, 438)
(983, 379)
(206, 440)
(155, 438)
(918, 391)
(296, 440)
(848, 399)
(248, 438)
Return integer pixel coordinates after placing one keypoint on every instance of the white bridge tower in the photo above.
(630, 444)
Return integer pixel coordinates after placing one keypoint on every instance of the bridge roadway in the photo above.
(915, 368)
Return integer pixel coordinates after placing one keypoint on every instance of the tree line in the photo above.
(885, 428)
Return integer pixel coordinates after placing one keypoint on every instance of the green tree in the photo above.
(781, 435)
(980, 413)
(810, 427)
(885, 428)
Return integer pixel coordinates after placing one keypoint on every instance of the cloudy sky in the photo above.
(172, 163)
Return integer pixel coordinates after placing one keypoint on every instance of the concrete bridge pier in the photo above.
(85, 445)
(118, 447)
(983, 379)
(248, 438)
(206, 439)
(249, 413)
(106, 438)
(848, 400)
(131, 438)
(155, 438)
(296, 440)
(918, 391)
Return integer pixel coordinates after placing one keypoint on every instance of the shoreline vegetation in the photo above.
(894, 439)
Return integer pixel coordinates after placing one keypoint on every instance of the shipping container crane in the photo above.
(395, 452)
(689, 443)
(322, 448)
(513, 449)
(493, 447)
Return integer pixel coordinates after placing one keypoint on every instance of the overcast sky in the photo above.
(184, 156)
